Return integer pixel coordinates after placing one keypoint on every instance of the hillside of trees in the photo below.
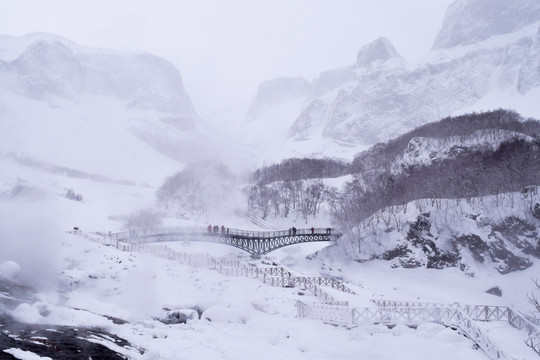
(300, 169)
(381, 155)
(510, 165)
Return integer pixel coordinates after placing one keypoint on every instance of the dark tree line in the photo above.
(381, 155)
(512, 167)
(300, 169)
(286, 188)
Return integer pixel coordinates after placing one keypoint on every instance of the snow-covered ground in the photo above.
(79, 282)
(93, 147)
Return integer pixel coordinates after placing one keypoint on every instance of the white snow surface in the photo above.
(248, 319)
(24, 355)
(115, 157)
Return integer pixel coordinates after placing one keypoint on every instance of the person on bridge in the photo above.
(312, 230)
(222, 229)
(209, 228)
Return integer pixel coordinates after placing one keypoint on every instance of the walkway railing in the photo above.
(274, 276)
(256, 243)
(412, 316)
(461, 317)
(201, 230)
(476, 312)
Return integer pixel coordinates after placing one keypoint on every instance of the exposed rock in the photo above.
(379, 50)
(507, 260)
(398, 252)
(180, 316)
(495, 291)
(520, 233)
(419, 233)
(408, 263)
(443, 260)
(536, 211)
(475, 244)
(59, 342)
(381, 95)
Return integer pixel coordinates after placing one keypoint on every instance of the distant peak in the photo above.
(470, 21)
(291, 85)
(379, 50)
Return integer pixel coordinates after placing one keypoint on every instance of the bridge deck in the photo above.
(254, 242)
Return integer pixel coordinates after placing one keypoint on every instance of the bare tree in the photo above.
(143, 220)
(534, 344)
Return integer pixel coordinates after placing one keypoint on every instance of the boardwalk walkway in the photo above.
(463, 318)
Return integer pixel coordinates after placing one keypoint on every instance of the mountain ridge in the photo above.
(372, 101)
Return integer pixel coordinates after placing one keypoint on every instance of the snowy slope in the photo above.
(95, 123)
(116, 113)
(110, 127)
(92, 285)
(493, 232)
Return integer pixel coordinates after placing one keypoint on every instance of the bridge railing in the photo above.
(133, 234)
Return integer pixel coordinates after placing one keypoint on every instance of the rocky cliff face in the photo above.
(470, 21)
(485, 50)
(474, 236)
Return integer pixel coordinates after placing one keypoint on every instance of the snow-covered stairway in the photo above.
(258, 221)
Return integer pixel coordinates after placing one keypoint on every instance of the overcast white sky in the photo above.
(225, 48)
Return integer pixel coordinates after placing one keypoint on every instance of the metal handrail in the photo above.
(201, 230)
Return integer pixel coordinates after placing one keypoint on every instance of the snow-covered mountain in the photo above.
(65, 106)
(88, 134)
(94, 125)
(467, 22)
(41, 66)
(485, 56)
(461, 192)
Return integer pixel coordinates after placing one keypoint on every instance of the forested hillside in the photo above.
(457, 157)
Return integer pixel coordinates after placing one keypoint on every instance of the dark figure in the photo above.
(312, 230)
(289, 231)
(328, 231)
(216, 228)
(209, 228)
(294, 230)
(222, 229)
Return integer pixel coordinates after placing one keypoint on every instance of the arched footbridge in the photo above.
(256, 243)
